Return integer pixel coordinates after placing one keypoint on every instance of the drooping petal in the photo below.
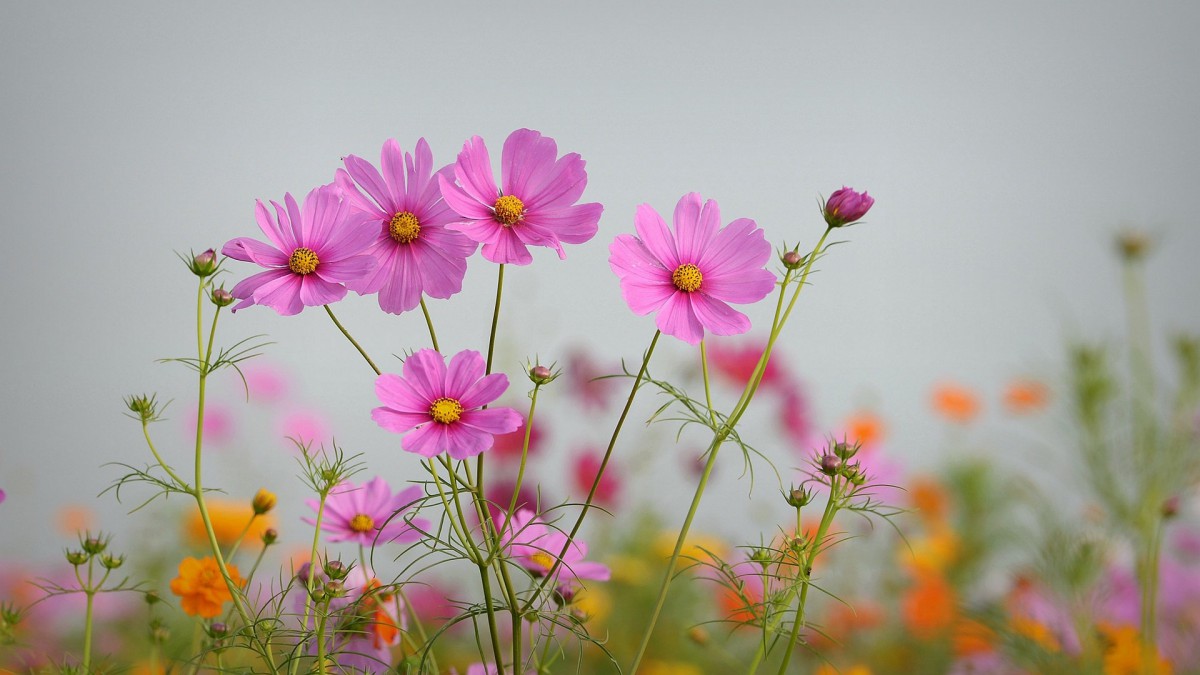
(718, 317)
(315, 291)
(677, 318)
(260, 283)
(492, 420)
(252, 250)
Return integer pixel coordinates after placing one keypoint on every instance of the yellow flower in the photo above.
(229, 518)
(595, 603)
(694, 547)
(670, 668)
(263, 501)
(826, 669)
(201, 588)
(1124, 653)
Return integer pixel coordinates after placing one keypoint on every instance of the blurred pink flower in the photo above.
(536, 205)
(369, 513)
(845, 206)
(688, 276)
(584, 466)
(267, 383)
(417, 254)
(304, 427)
(312, 252)
(586, 382)
(535, 546)
(735, 361)
(219, 425)
(439, 408)
(795, 416)
(507, 447)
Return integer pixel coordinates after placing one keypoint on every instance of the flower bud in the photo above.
(830, 464)
(845, 206)
(336, 570)
(303, 573)
(112, 562)
(93, 545)
(270, 536)
(144, 407)
(77, 558)
(335, 589)
(1133, 244)
(217, 630)
(798, 497)
(221, 297)
(1170, 506)
(263, 501)
(845, 450)
(792, 260)
(151, 597)
(204, 264)
(540, 375)
(762, 556)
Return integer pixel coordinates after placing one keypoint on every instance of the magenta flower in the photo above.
(312, 252)
(688, 276)
(416, 253)
(536, 205)
(442, 405)
(535, 546)
(845, 206)
(367, 513)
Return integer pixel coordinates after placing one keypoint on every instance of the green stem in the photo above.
(587, 504)
(429, 323)
(468, 543)
(512, 504)
(720, 435)
(312, 576)
(90, 593)
(712, 415)
(324, 616)
(1150, 600)
(815, 547)
(238, 542)
(495, 319)
(352, 340)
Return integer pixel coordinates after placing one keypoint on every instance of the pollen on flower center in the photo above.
(509, 210)
(446, 410)
(404, 228)
(543, 560)
(303, 261)
(687, 278)
(362, 523)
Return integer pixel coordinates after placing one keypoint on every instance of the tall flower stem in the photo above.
(429, 324)
(312, 574)
(512, 503)
(351, 339)
(587, 503)
(814, 549)
(495, 319)
(719, 436)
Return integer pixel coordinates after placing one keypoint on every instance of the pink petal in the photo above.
(462, 203)
(391, 158)
(349, 236)
(692, 236)
(749, 286)
(323, 211)
(315, 291)
(351, 192)
(401, 290)
(465, 441)
(396, 421)
(590, 570)
(425, 372)
(492, 420)
(419, 172)
(281, 237)
(339, 271)
(574, 225)
(294, 218)
(561, 187)
(677, 318)
(399, 394)
(368, 178)
(474, 172)
(738, 247)
(527, 158)
(252, 250)
(653, 232)
(284, 297)
(718, 317)
(505, 248)
(465, 369)
(427, 441)
(442, 260)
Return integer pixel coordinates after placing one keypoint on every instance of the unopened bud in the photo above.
(221, 297)
(217, 630)
(204, 264)
(263, 501)
(792, 260)
(336, 570)
(151, 597)
(77, 558)
(798, 497)
(269, 536)
(845, 450)
(93, 545)
(541, 374)
(1170, 506)
(112, 562)
(158, 632)
(761, 556)
(830, 464)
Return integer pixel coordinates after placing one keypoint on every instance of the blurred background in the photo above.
(1006, 144)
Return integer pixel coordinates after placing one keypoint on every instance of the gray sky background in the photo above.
(1005, 142)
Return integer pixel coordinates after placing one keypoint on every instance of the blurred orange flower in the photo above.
(955, 402)
(74, 518)
(929, 500)
(1124, 653)
(864, 427)
(929, 605)
(826, 669)
(1026, 395)
(972, 638)
(740, 607)
(229, 518)
(201, 588)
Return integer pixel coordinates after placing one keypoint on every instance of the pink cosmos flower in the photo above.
(689, 275)
(416, 253)
(312, 252)
(536, 205)
(535, 546)
(302, 427)
(584, 467)
(845, 206)
(442, 405)
(736, 361)
(586, 381)
(367, 513)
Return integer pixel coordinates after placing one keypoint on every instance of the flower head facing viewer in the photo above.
(415, 251)
(201, 588)
(690, 275)
(439, 407)
(313, 251)
(534, 205)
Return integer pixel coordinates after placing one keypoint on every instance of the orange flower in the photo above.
(826, 669)
(955, 402)
(972, 638)
(864, 428)
(929, 606)
(929, 500)
(229, 518)
(740, 607)
(1025, 395)
(1124, 653)
(201, 588)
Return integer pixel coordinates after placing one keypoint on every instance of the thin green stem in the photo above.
(495, 318)
(312, 575)
(1150, 600)
(238, 542)
(512, 504)
(712, 415)
(352, 340)
(429, 323)
(814, 548)
(159, 459)
(587, 504)
(321, 619)
(721, 434)
(90, 593)
(468, 543)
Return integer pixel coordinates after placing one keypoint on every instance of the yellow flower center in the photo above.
(362, 523)
(509, 210)
(303, 261)
(543, 560)
(687, 278)
(446, 410)
(404, 228)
